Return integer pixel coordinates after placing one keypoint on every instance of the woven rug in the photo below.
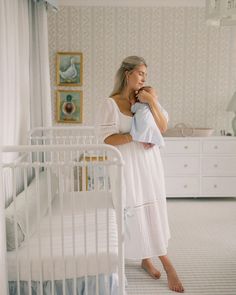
(202, 248)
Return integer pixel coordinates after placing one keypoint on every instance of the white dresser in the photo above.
(200, 166)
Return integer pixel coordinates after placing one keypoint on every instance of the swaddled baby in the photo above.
(144, 127)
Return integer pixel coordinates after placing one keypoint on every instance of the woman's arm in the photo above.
(118, 139)
(158, 116)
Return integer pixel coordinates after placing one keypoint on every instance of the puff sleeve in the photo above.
(107, 119)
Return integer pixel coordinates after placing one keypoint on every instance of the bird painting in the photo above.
(69, 68)
(70, 74)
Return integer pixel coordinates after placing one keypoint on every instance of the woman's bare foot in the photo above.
(150, 269)
(174, 282)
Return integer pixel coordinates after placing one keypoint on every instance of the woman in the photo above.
(147, 226)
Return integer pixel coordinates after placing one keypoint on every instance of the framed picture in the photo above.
(69, 106)
(69, 68)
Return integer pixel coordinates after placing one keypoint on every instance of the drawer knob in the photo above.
(216, 147)
(185, 165)
(185, 186)
(215, 165)
(215, 185)
(186, 147)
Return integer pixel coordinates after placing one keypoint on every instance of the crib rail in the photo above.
(63, 135)
(75, 187)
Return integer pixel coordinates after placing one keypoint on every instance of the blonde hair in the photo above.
(129, 64)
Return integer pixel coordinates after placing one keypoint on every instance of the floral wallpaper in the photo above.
(192, 65)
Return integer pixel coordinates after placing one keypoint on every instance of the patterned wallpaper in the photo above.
(192, 66)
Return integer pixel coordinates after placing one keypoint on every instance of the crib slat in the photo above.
(120, 220)
(85, 248)
(39, 229)
(62, 229)
(15, 231)
(49, 174)
(27, 231)
(72, 186)
(3, 265)
(96, 245)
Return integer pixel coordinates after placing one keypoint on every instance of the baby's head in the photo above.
(149, 89)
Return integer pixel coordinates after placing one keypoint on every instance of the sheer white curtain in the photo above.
(40, 96)
(25, 100)
(13, 101)
(24, 70)
(14, 71)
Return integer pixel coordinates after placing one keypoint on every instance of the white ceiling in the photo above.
(135, 3)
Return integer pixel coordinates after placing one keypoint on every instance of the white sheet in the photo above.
(81, 258)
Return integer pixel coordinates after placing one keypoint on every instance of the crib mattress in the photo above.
(54, 253)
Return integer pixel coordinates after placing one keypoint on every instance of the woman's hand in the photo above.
(147, 145)
(146, 97)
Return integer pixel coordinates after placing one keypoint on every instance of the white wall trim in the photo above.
(135, 3)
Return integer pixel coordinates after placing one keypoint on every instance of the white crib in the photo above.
(64, 231)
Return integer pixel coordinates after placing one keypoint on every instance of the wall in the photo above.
(193, 66)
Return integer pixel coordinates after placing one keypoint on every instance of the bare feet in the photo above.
(150, 269)
(174, 282)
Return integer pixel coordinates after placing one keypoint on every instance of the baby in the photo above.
(144, 128)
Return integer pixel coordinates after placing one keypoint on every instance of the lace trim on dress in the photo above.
(129, 213)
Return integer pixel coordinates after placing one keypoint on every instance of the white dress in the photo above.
(147, 230)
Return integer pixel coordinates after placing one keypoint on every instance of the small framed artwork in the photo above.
(69, 68)
(69, 106)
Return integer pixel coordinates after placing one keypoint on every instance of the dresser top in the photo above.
(207, 138)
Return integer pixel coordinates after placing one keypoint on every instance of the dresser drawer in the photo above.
(219, 147)
(182, 186)
(183, 146)
(181, 165)
(219, 186)
(220, 166)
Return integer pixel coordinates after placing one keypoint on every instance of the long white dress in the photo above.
(147, 230)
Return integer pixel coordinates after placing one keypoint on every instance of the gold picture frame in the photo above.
(69, 69)
(69, 106)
